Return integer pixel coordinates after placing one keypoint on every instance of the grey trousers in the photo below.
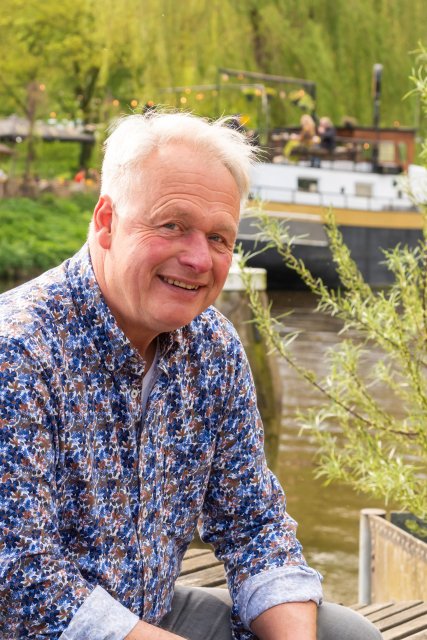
(204, 614)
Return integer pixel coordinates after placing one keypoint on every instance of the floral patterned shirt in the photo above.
(97, 504)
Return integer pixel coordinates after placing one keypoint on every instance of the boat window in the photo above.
(363, 189)
(386, 152)
(308, 184)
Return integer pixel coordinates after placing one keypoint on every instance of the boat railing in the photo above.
(385, 151)
(340, 200)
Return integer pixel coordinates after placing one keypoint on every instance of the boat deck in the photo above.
(395, 620)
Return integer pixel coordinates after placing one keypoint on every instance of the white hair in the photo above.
(133, 138)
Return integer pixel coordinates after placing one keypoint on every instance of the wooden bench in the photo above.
(395, 620)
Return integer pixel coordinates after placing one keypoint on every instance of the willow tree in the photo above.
(66, 59)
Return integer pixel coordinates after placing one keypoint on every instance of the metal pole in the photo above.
(376, 91)
(365, 554)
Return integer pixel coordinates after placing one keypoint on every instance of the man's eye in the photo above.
(216, 238)
(171, 225)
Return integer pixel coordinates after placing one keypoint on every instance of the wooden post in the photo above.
(365, 554)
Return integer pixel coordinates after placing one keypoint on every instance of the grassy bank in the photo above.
(39, 234)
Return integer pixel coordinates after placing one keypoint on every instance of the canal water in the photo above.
(328, 516)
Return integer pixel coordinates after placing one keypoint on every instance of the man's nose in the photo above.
(196, 252)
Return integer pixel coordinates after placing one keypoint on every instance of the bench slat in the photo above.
(197, 563)
(212, 577)
(398, 607)
(403, 616)
(408, 629)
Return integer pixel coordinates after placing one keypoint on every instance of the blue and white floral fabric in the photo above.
(93, 499)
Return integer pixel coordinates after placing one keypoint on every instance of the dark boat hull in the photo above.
(366, 244)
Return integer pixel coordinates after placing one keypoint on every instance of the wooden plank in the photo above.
(398, 607)
(369, 609)
(212, 577)
(193, 553)
(408, 629)
(403, 616)
(422, 635)
(194, 564)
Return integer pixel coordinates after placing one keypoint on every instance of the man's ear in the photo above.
(102, 221)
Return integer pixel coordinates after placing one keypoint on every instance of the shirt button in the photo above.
(134, 393)
(110, 367)
(140, 371)
(145, 513)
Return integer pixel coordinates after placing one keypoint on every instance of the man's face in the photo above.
(168, 252)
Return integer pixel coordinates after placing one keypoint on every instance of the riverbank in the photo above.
(39, 234)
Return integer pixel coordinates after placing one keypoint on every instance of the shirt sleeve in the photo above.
(100, 618)
(245, 516)
(277, 586)
(40, 589)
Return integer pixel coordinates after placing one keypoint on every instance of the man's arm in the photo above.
(245, 519)
(289, 621)
(41, 590)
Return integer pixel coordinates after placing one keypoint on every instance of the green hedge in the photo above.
(36, 235)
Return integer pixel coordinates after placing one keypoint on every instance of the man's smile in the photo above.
(179, 283)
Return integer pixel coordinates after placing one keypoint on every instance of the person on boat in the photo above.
(301, 142)
(129, 416)
(327, 134)
(307, 135)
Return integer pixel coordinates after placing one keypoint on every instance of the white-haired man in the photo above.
(128, 416)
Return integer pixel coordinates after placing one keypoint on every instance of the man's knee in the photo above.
(335, 622)
(200, 614)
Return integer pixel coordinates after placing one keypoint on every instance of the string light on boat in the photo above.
(187, 90)
(366, 145)
(199, 96)
(134, 103)
(183, 100)
(116, 103)
(42, 87)
(396, 123)
(225, 77)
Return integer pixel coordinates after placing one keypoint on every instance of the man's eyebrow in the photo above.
(184, 213)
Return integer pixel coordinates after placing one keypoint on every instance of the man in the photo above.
(128, 415)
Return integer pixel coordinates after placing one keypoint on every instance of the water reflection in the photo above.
(328, 516)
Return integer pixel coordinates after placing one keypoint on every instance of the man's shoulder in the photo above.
(26, 308)
(211, 335)
(213, 325)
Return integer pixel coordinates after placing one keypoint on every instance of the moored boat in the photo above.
(370, 203)
(366, 176)
(366, 180)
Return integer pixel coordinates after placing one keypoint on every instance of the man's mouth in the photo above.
(181, 285)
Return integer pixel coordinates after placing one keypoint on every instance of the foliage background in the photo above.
(93, 58)
(39, 234)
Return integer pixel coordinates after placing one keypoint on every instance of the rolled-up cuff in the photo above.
(276, 586)
(100, 617)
